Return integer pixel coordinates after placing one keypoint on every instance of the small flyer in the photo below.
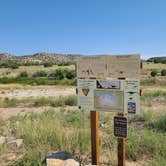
(86, 93)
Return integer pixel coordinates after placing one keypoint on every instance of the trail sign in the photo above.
(131, 96)
(109, 83)
(108, 100)
(114, 67)
(120, 127)
(86, 93)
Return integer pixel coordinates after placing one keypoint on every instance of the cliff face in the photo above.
(40, 57)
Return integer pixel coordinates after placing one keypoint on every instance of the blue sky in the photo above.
(83, 26)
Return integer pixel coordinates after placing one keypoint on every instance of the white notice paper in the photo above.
(86, 93)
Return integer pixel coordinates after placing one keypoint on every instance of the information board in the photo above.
(91, 67)
(86, 93)
(125, 66)
(108, 84)
(131, 96)
(120, 127)
(108, 100)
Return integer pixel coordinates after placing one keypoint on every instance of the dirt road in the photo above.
(36, 92)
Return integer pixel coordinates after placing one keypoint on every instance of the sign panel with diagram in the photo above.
(108, 100)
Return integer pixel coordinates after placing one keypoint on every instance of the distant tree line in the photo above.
(157, 60)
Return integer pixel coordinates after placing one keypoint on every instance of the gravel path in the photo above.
(37, 92)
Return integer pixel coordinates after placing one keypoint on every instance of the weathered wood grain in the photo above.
(114, 67)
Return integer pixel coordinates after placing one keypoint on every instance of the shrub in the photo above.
(14, 66)
(163, 72)
(24, 74)
(64, 64)
(70, 74)
(47, 64)
(59, 74)
(153, 73)
(53, 74)
(58, 103)
(71, 100)
(40, 74)
(41, 102)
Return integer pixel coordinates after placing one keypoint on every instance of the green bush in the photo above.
(14, 66)
(153, 73)
(39, 74)
(41, 102)
(23, 74)
(71, 74)
(71, 100)
(48, 64)
(163, 72)
(58, 103)
(60, 74)
(57, 74)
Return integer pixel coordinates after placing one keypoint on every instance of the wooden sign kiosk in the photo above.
(100, 77)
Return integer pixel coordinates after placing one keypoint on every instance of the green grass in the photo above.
(145, 142)
(151, 97)
(70, 100)
(59, 131)
(151, 65)
(70, 131)
(7, 72)
(36, 81)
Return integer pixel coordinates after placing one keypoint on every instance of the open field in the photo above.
(7, 72)
(59, 126)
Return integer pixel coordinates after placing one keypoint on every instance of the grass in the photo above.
(149, 96)
(70, 100)
(141, 143)
(151, 65)
(10, 87)
(70, 131)
(58, 131)
(36, 81)
(7, 72)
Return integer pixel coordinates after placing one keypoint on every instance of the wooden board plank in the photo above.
(114, 67)
(91, 67)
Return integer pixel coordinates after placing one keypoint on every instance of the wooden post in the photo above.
(121, 152)
(121, 149)
(94, 137)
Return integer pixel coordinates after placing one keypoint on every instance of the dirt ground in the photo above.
(35, 92)
(7, 113)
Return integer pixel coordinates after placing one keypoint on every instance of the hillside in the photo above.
(40, 57)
